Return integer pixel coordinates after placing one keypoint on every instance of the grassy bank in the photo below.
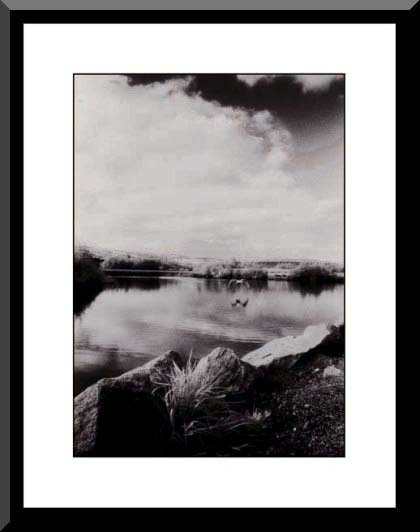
(230, 270)
(92, 271)
(147, 264)
(297, 270)
(88, 279)
(315, 274)
(302, 273)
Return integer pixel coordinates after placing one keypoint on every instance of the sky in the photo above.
(218, 165)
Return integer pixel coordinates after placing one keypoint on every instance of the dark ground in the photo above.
(306, 416)
(308, 412)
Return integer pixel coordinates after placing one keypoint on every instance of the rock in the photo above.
(332, 371)
(287, 347)
(227, 371)
(85, 419)
(333, 343)
(144, 375)
(164, 362)
(116, 418)
(330, 348)
(120, 416)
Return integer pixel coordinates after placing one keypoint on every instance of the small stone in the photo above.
(332, 371)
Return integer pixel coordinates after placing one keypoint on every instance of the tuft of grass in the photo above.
(231, 420)
(235, 433)
(202, 420)
(188, 392)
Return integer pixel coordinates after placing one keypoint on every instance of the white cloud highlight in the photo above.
(308, 82)
(316, 82)
(161, 171)
(253, 79)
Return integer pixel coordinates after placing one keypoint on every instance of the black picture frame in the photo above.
(405, 21)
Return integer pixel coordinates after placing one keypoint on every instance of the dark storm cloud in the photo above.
(302, 111)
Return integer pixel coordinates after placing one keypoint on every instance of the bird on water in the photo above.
(239, 302)
(238, 282)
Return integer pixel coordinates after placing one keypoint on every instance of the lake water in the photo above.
(132, 321)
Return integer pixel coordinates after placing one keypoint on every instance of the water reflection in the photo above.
(221, 285)
(142, 283)
(310, 289)
(136, 319)
(82, 299)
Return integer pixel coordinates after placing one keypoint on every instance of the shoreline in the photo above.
(289, 405)
(136, 274)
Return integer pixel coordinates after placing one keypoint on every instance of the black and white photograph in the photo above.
(209, 265)
(203, 259)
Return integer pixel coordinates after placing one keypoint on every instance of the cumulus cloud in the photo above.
(163, 171)
(308, 82)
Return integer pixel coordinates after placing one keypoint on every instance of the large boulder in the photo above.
(227, 371)
(121, 416)
(85, 418)
(333, 343)
(283, 351)
(115, 418)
